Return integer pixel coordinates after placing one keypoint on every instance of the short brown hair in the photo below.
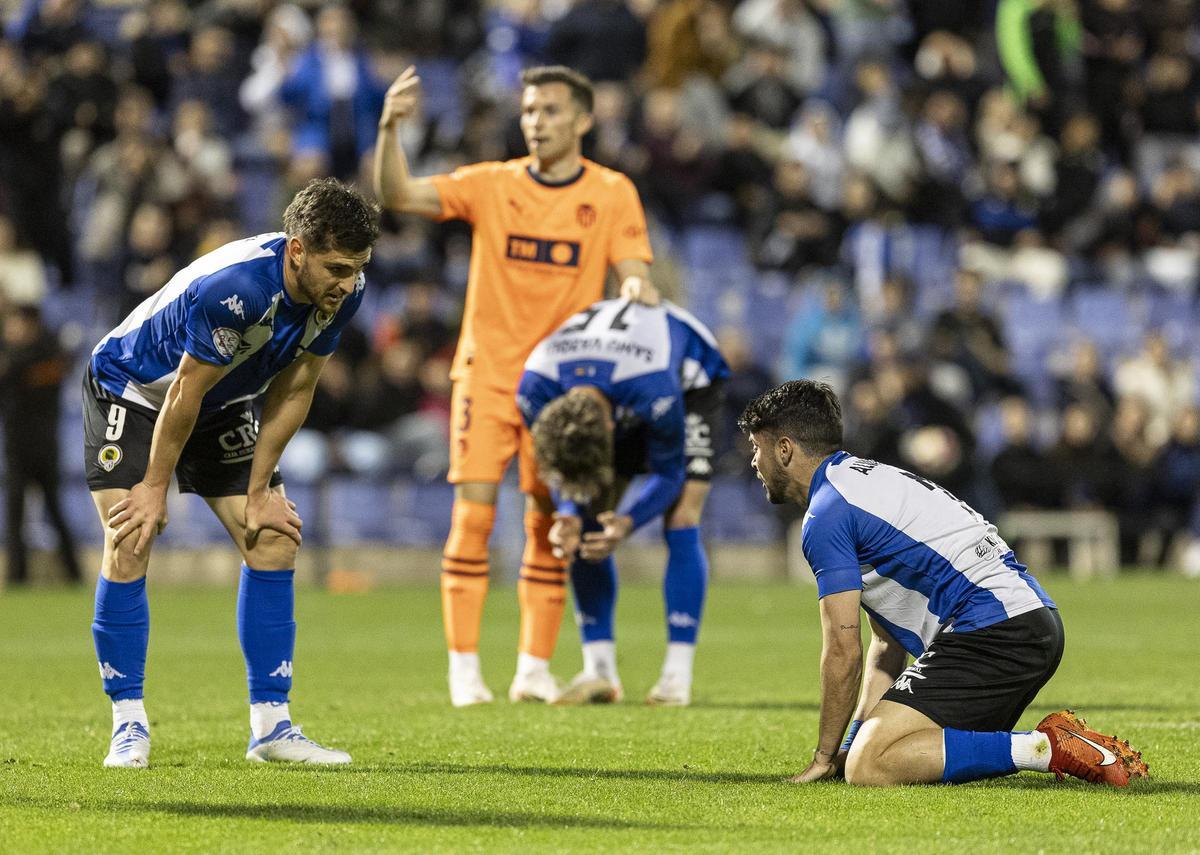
(573, 446)
(582, 92)
(806, 411)
(328, 214)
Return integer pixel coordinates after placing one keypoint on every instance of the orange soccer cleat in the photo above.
(1077, 750)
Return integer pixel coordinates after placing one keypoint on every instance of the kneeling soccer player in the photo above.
(619, 389)
(936, 581)
(170, 390)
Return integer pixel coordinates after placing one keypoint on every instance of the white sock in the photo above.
(600, 659)
(679, 659)
(264, 717)
(463, 664)
(127, 711)
(528, 665)
(1031, 751)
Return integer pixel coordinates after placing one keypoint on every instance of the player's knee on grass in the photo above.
(866, 765)
(272, 551)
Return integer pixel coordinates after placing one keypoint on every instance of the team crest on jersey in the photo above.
(226, 341)
(235, 305)
(585, 215)
(109, 456)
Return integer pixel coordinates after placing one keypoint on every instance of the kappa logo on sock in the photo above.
(284, 669)
(682, 620)
(108, 672)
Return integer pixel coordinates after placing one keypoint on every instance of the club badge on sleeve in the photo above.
(109, 456)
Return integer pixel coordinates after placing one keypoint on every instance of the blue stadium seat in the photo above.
(1032, 329)
(1109, 317)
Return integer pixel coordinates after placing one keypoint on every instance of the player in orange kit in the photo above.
(546, 229)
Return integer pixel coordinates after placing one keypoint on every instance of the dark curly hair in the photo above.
(328, 214)
(573, 446)
(582, 92)
(806, 411)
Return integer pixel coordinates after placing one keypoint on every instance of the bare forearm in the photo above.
(391, 169)
(883, 666)
(283, 414)
(175, 423)
(840, 674)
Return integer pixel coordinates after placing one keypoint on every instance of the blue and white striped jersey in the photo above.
(228, 307)
(643, 358)
(925, 561)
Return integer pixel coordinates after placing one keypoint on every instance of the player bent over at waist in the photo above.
(619, 390)
(545, 231)
(170, 391)
(937, 582)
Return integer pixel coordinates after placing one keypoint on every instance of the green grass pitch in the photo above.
(426, 777)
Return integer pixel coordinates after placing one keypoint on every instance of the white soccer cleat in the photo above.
(539, 687)
(469, 689)
(130, 747)
(286, 744)
(670, 691)
(588, 688)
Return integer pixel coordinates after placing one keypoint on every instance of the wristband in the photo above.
(851, 732)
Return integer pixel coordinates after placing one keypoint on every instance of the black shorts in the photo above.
(702, 426)
(984, 679)
(116, 446)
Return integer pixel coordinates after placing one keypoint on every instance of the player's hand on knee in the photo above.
(143, 511)
(564, 535)
(270, 510)
(401, 99)
(598, 545)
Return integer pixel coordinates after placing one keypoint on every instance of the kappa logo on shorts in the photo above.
(109, 456)
(226, 341)
(913, 672)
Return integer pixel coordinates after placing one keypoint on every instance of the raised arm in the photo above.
(395, 186)
(144, 510)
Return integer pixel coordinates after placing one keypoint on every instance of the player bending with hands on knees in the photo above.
(618, 390)
(170, 390)
(546, 229)
(937, 582)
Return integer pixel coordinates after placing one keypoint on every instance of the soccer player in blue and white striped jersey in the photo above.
(170, 391)
(937, 582)
(619, 390)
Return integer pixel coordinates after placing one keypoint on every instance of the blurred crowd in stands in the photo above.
(979, 219)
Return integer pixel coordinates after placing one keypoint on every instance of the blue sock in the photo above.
(595, 587)
(973, 755)
(121, 630)
(685, 583)
(267, 631)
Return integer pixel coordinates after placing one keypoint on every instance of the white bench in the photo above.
(1093, 539)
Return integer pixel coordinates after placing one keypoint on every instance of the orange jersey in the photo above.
(540, 253)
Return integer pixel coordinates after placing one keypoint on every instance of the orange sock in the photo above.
(541, 590)
(465, 573)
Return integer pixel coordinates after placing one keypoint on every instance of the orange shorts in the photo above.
(486, 432)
